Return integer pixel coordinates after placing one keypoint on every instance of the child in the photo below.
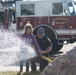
(30, 39)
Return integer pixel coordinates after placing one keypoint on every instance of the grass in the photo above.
(18, 73)
(8, 73)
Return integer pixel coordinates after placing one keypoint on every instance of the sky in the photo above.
(74, 0)
(25, 0)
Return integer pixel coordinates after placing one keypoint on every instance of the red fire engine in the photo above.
(57, 17)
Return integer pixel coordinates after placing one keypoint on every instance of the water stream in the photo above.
(13, 49)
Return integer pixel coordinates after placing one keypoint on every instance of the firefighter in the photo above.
(45, 45)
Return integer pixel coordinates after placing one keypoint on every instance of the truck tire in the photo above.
(59, 47)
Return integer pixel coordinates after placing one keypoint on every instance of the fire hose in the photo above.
(46, 58)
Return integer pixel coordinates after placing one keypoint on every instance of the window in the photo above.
(57, 8)
(27, 9)
(71, 8)
(75, 7)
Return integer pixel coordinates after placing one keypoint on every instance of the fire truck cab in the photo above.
(57, 17)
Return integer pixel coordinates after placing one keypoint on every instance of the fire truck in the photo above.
(6, 8)
(57, 17)
(3, 16)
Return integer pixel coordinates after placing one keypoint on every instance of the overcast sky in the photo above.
(35, 0)
(23, 0)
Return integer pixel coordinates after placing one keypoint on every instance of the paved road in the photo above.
(68, 47)
(16, 68)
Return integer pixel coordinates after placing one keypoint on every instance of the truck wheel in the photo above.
(56, 47)
(71, 41)
(59, 47)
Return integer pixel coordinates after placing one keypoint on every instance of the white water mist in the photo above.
(13, 49)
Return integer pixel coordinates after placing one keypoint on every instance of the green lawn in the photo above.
(17, 73)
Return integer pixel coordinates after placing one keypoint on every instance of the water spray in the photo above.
(13, 49)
